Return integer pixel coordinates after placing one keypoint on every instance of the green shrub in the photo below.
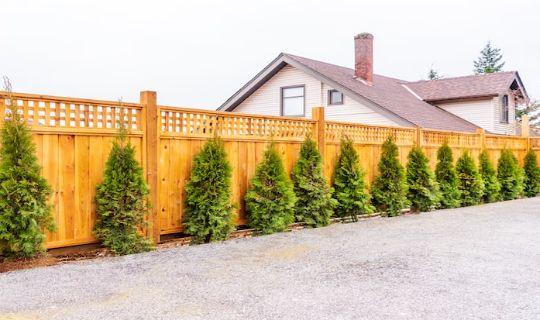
(314, 204)
(208, 207)
(509, 175)
(270, 199)
(122, 201)
(389, 191)
(447, 178)
(531, 182)
(349, 187)
(470, 185)
(489, 176)
(23, 191)
(423, 190)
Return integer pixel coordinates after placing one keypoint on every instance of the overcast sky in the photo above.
(198, 53)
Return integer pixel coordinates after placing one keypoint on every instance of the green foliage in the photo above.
(122, 201)
(510, 176)
(314, 204)
(433, 74)
(209, 211)
(489, 60)
(349, 186)
(389, 190)
(24, 211)
(531, 182)
(471, 186)
(447, 178)
(423, 190)
(270, 199)
(489, 176)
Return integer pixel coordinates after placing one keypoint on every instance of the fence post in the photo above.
(482, 133)
(148, 101)
(418, 136)
(525, 130)
(318, 115)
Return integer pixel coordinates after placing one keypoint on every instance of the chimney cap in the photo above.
(364, 35)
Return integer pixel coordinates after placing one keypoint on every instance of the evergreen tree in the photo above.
(24, 211)
(471, 186)
(314, 204)
(447, 177)
(433, 74)
(349, 187)
(489, 60)
(270, 199)
(509, 175)
(489, 176)
(208, 210)
(122, 200)
(423, 190)
(389, 191)
(531, 183)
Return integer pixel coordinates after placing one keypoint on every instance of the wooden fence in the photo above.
(74, 136)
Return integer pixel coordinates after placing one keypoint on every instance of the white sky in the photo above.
(198, 53)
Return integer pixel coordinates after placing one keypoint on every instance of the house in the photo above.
(290, 85)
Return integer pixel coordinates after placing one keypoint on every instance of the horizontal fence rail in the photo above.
(74, 136)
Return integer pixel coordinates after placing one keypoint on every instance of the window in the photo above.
(292, 101)
(335, 97)
(504, 109)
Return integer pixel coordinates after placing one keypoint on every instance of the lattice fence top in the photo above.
(535, 142)
(368, 134)
(194, 123)
(454, 139)
(506, 142)
(59, 112)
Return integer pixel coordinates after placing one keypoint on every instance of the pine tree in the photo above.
(389, 191)
(470, 185)
(314, 204)
(23, 191)
(122, 200)
(489, 176)
(433, 74)
(489, 60)
(349, 186)
(423, 190)
(447, 178)
(531, 183)
(509, 175)
(270, 199)
(208, 210)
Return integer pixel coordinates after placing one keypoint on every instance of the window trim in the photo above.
(303, 86)
(329, 94)
(505, 109)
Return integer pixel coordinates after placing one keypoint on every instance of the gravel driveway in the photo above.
(472, 263)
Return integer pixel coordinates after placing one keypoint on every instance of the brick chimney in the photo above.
(363, 57)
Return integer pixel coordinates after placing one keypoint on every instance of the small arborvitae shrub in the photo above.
(389, 191)
(489, 176)
(423, 190)
(349, 186)
(447, 178)
(24, 211)
(314, 204)
(122, 201)
(531, 182)
(270, 199)
(509, 175)
(471, 186)
(209, 211)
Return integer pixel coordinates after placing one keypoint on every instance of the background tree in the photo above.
(24, 211)
(314, 204)
(349, 186)
(433, 74)
(423, 190)
(509, 175)
(447, 178)
(122, 200)
(489, 61)
(532, 109)
(531, 182)
(471, 186)
(489, 176)
(389, 191)
(270, 199)
(208, 207)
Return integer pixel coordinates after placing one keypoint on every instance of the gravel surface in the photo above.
(472, 263)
